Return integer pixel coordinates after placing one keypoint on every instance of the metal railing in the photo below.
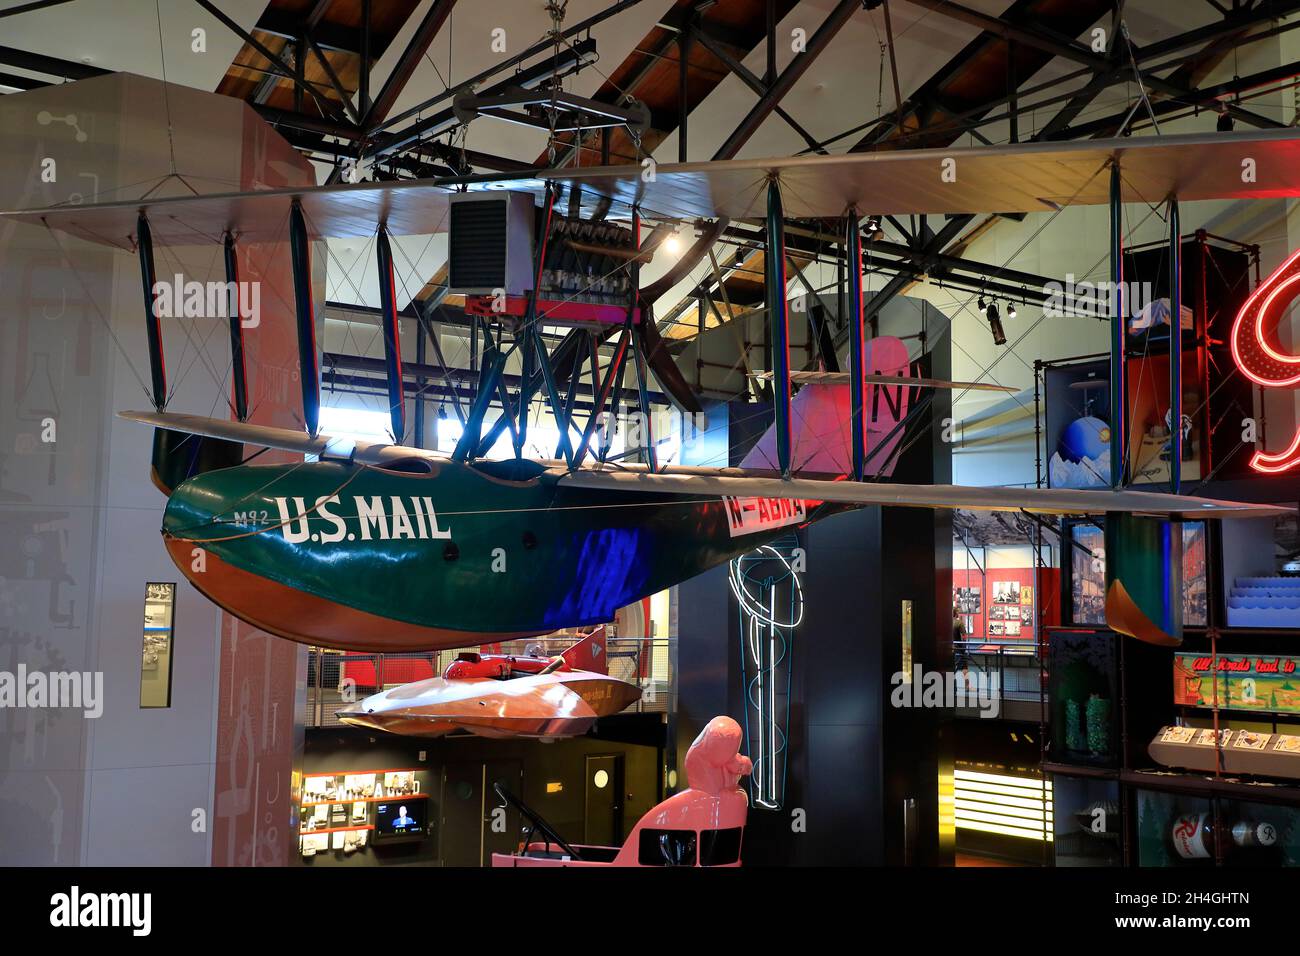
(336, 679)
(1014, 664)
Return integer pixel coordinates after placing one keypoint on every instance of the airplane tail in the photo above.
(821, 417)
(589, 653)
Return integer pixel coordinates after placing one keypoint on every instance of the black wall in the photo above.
(853, 759)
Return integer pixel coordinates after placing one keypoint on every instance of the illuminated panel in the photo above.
(1259, 359)
(1003, 804)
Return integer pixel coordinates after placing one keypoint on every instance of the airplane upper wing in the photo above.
(1025, 177)
(346, 210)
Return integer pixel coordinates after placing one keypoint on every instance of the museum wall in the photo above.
(549, 776)
(77, 499)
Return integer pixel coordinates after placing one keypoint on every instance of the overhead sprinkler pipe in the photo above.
(308, 365)
(857, 342)
(778, 323)
(153, 328)
(238, 367)
(392, 335)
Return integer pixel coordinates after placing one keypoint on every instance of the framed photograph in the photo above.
(1087, 574)
(1006, 592)
(967, 600)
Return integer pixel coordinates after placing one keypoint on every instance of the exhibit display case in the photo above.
(1208, 757)
(347, 811)
(1083, 687)
(1088, 821)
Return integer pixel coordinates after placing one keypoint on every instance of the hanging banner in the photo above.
(1268, 684)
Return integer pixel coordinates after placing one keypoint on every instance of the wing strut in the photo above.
(308, 363)
(1175, 350)
(1118, 334)
(157, 368)
(238, 368)
(489, 376)
(778, 323)
(645, 432)
(614, 371)
(392, 335)
(857, 344)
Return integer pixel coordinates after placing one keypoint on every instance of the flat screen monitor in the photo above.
(403, 818)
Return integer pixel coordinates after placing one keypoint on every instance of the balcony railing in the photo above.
(1013, 664)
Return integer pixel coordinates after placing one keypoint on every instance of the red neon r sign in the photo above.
(1262, 361)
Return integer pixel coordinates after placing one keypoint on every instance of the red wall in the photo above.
(1045, 581)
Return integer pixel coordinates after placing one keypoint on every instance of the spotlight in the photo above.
(1011, 310)
(995, 324)
(874, 229)
(981, 304)
(673, 245)
(1225, 123)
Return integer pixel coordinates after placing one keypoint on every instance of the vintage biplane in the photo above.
(386, 547)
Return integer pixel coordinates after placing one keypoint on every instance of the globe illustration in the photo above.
(1085, 438)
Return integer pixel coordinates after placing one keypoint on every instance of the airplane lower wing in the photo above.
(691, 480)
(879, 378)
(1041, 500)
(286, 439)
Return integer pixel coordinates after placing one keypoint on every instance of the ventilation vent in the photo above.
(490, 243)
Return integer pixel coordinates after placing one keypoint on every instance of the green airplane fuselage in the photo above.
(446, 554)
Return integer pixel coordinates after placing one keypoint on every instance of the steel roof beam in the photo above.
(49, 65)
(328, 35)
(1071, 50)
(446, 119)
(818, 42)
(696, 31)
(277, 64)
(409, 60)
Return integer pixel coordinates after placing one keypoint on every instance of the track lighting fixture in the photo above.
(995, 323)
